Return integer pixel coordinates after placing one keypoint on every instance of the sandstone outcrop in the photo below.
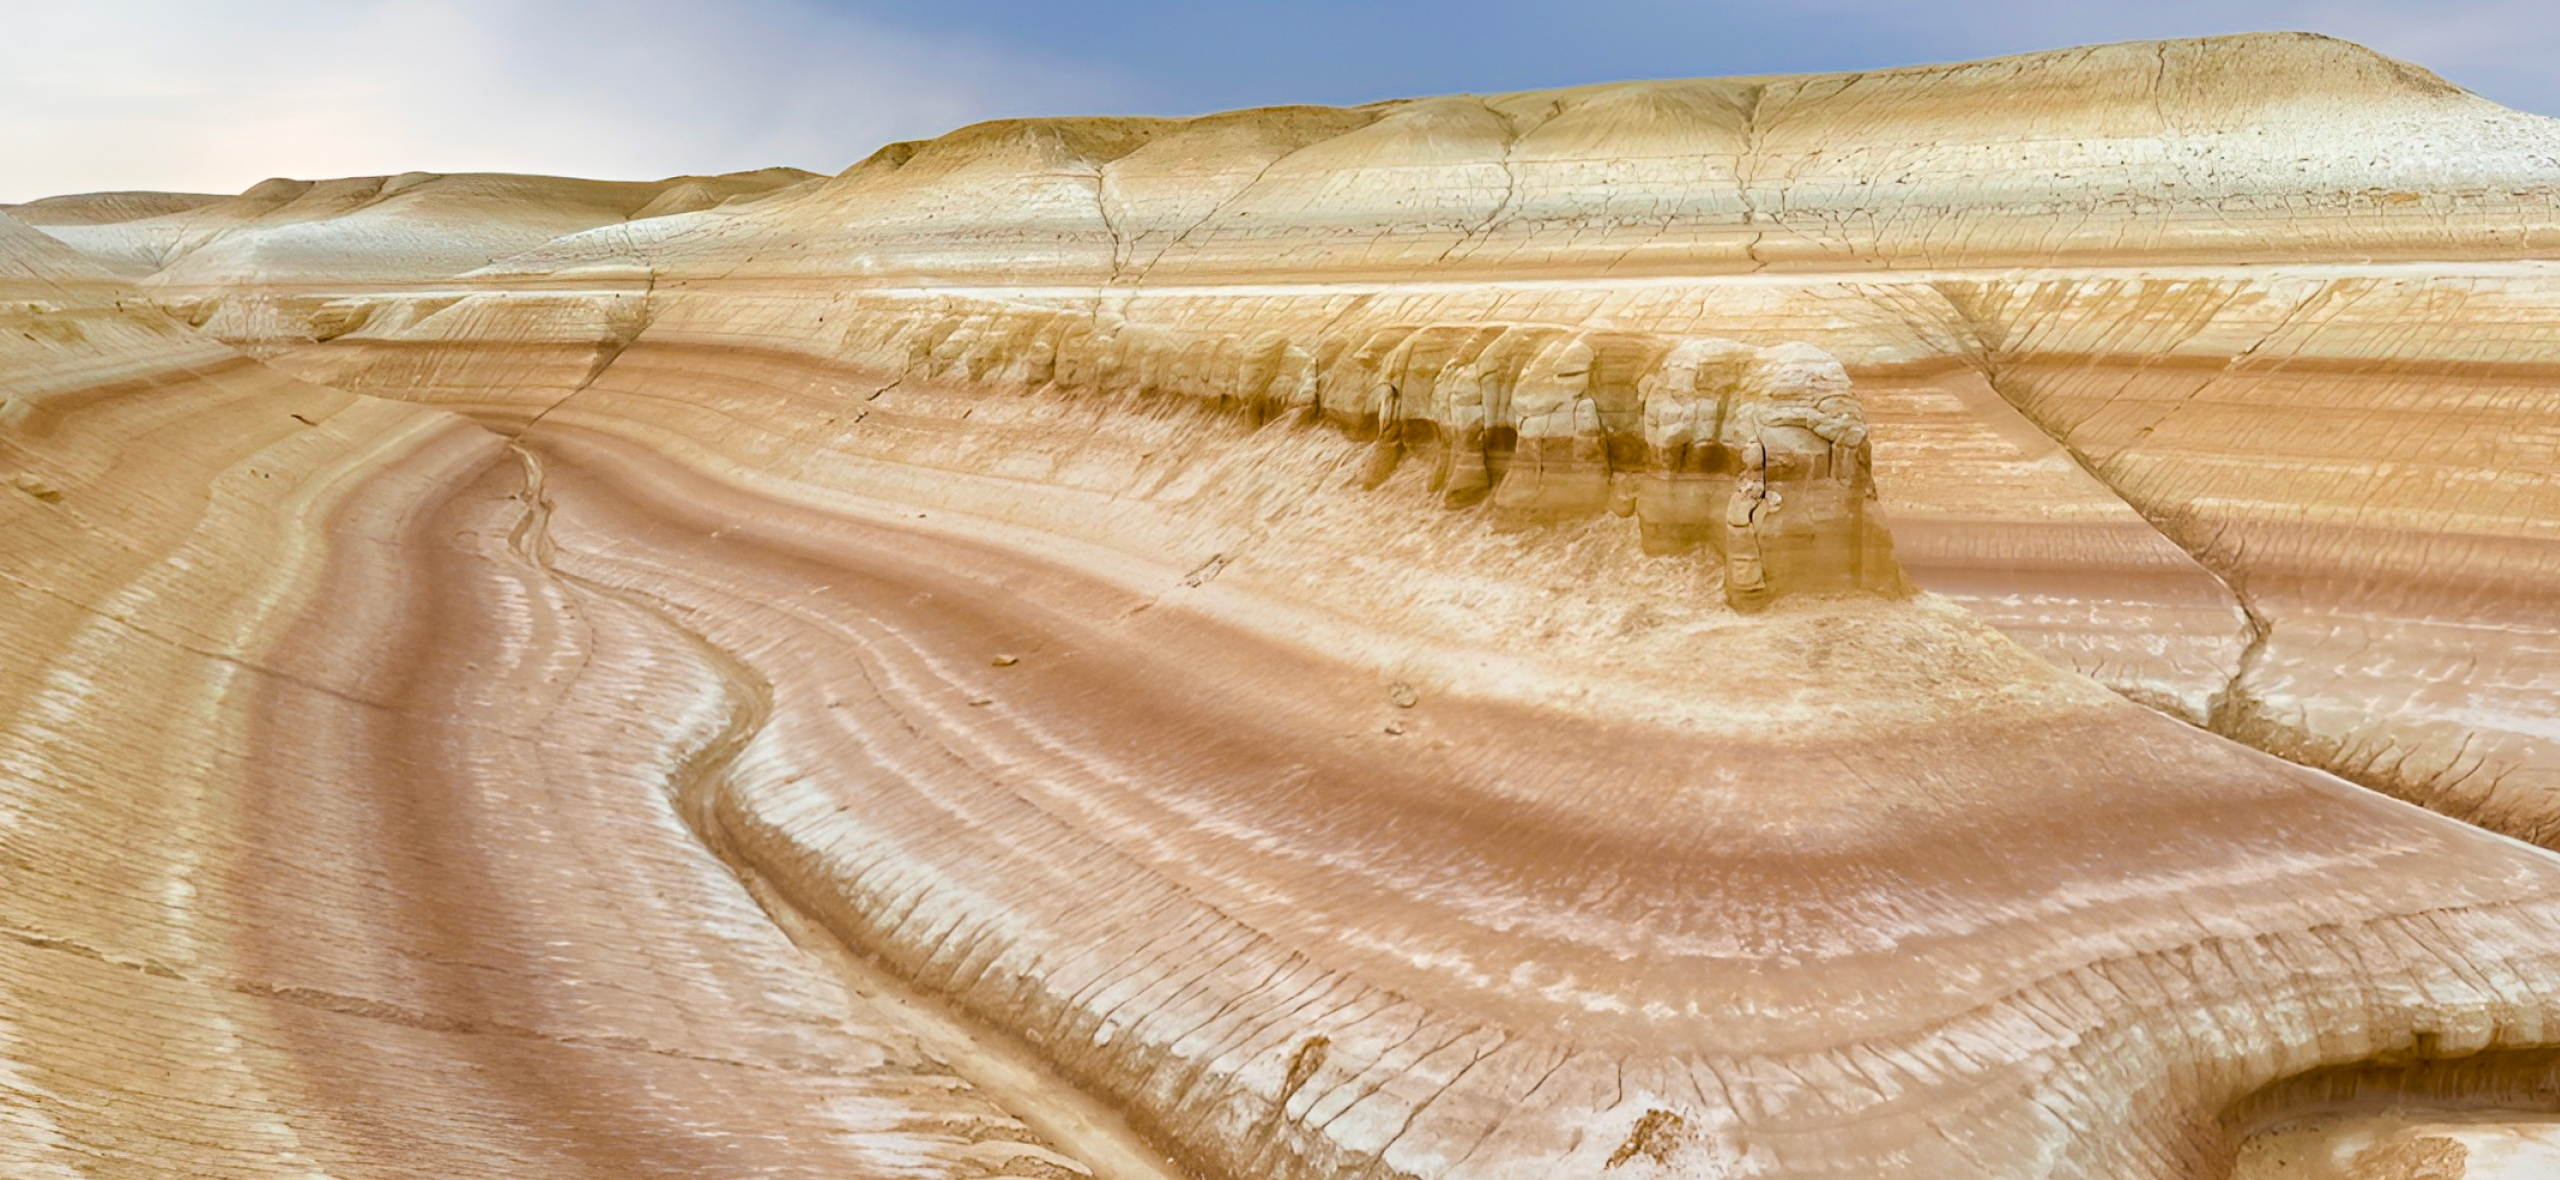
(297, 876)
(1788, 627)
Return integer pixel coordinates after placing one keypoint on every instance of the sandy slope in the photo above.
(1226, 603)
(297, 876)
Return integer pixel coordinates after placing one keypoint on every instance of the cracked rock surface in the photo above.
(1843, 626)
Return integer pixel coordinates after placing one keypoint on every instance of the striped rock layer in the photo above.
(1790, 627)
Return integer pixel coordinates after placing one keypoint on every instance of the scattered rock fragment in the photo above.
(36, 486)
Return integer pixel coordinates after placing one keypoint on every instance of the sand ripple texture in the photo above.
(1982, 621)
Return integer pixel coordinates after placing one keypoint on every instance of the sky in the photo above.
(215, 95)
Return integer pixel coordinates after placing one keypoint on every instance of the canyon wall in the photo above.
(1771, 627)
(298, 875)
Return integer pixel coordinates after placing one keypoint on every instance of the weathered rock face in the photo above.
(301, 872)
(1371, 642)
(1759, 456)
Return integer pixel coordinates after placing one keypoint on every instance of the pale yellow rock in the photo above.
(258, 268)
(244, 934)
(1383, 641)
(2406, 1145)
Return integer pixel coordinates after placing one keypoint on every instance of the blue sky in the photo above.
(184, 94)
(1179, 56)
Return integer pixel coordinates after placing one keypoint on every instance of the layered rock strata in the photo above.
(2197, 328)
(1248, 606)
(302, 872)
(279, 257)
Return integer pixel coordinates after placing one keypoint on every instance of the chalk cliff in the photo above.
(1794, 627)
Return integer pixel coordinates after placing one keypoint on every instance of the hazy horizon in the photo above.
(158, 95)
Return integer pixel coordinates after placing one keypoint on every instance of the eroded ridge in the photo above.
(1758, 456)
(1246, 607)
(1194, 869)
(336, 840)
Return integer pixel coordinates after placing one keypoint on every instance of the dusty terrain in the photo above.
(1982, 621)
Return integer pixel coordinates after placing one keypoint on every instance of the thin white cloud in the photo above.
(214, 95)
(195, 96)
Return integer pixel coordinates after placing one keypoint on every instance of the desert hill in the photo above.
(102, 208)
(1823, 626)
(413, 226)
(2218, 151)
